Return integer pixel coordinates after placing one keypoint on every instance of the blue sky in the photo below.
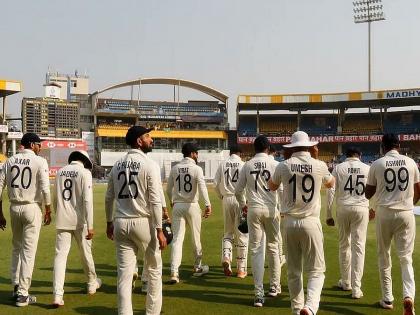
(235, 46)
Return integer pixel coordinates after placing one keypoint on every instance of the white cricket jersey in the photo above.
(26, 176)
(350, 183)
(162, 194)
(73, 197)
(227, 175)
(253, 180)
(394, 176)
(134, 182)
(302, 177)
(185, 182)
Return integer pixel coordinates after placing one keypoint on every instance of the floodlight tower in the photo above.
(367, 11)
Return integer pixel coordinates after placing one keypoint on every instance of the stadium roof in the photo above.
(169, 81)
(8, 87)
(389, 98)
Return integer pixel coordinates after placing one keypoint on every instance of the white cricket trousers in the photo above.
(400, 226)
(352, 224)
(26, 223)
(130, 235)
(62, 248)
(262, 220)
(231, 215)
(305, 251)
(186, 213)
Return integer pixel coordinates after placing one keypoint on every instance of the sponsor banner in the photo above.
(13, 135)
(332, 139)
(63, 144)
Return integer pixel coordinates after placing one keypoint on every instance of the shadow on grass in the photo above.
(341, 307)
(95, 310)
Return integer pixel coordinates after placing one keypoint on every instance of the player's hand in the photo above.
(110, 230)
(47, 218)
(207, 212)
(2, 222)
(372, 214)
(330, 222)
(161, 239)
(244, 211)
(90, 234)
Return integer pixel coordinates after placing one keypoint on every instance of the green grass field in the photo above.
(211, 294)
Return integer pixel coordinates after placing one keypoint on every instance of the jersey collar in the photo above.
(28, 151)
(77, 163)
(262, 154)
(189, 160)
(392, 152)
(352, 159)
(301, 153)
(138, 151)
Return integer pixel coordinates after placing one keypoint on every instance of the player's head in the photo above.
(190, 150)
(31, 141)
(261, 144)
(390, 142)
(81, 156)
(353, 152)
(300, 142)
(272, 150)
(234, 149)
(139, 137)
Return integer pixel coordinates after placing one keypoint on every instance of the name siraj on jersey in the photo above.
(129, 164)
(260, 165)
(22, 161)
(71, 174)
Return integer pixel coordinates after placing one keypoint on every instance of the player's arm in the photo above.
(216, 181)
(240, 188)
(330, 200)
(109, 206)
(202, 188)
(87, 195)
(275, 180)
(154, 184)
(170, 186)
(371, 183)
(45, 189)
(2, 182)
(416, 196)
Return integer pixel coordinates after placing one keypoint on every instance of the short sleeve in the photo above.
(371, 180)
(325, 173)
(276, 179)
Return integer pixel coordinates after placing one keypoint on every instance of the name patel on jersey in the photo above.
(129, 164)
(301, 168)
(22, 161)
(353, 170)
(395, 163)
(71, 174)
(183, 170)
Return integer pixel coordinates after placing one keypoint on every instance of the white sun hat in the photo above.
(81, 155)
(300, 139)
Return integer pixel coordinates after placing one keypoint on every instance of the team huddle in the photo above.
(269, 207)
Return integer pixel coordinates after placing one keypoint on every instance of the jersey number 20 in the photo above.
(23, 183)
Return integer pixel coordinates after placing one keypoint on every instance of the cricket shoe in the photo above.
(92, 288)
(226, 268)
(58, 301)
(174, 278)
(25, 300)
(274, 291)
(386, 305)
(343, 286)
(200, 271)
(259, 301)
(408, 306)
(133, 282)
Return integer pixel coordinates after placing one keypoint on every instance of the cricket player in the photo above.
(260, 204)
(74, 213)
(26, 177)
(395, 182)
(225, 180)
(352, 219)
(302, 177)
(137, 222)
(185, 183)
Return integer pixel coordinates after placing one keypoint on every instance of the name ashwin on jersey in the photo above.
(301, 168)
(395, 163)
(129, 164)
